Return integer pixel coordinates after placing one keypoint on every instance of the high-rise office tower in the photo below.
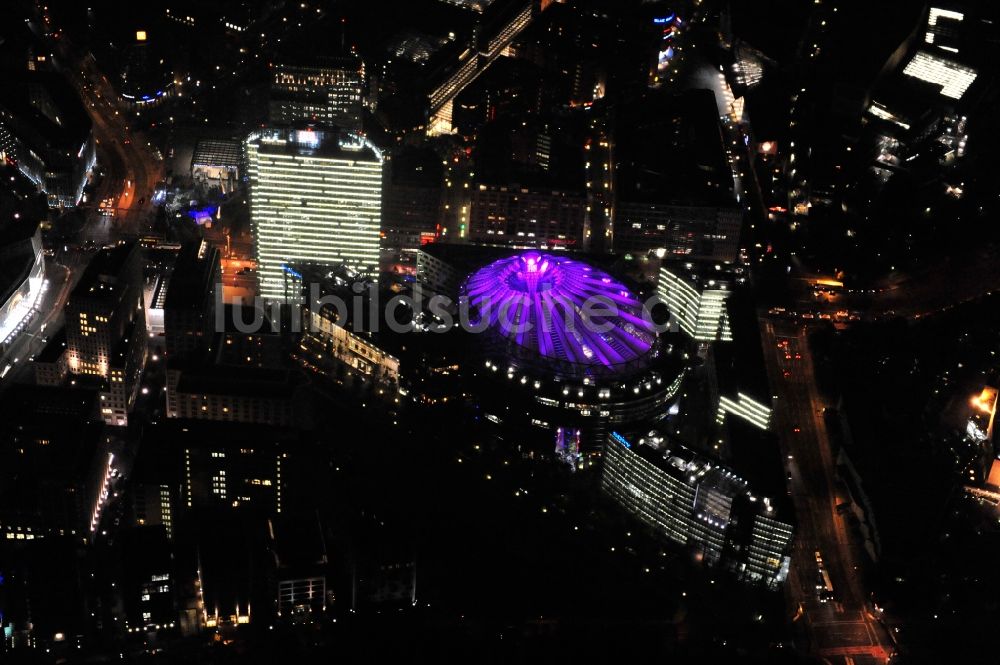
(106, 328)
(105, 302)
(190, 307)
(315, 197)
(696, 294)
(412, 201)
(323, 91)
(672, 185)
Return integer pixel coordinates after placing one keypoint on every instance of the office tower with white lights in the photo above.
(315, 197)
(696, 294)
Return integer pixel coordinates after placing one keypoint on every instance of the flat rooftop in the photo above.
(324, 144)
(740, 362)
(55, 348)
(103, 274)
(757, 473)
(238, 381)
(18, 196)
(47, 109)
(756, 454)
(669, 150)
(685, 464)
(197, 265)
(705, 273)
(217, 152)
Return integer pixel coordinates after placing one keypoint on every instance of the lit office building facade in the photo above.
(326, 92)
(743, 406)
(692, 501)
(693, 231)
(662, 500)
(106, 328)
(225, 475)
(102, 306)
(315, 197)
(528, 217)
(696, 299)
(233, 393)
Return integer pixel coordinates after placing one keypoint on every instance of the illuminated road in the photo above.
(949, 283)
(239, 279)
(131, 169)
(843, 628)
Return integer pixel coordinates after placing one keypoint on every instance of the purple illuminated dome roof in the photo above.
(535, 304)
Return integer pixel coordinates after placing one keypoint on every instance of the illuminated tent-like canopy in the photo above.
(562, 312)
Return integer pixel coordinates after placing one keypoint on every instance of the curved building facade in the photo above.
(691, 500)
(22, 277)
(566, 347)
(46, 132)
